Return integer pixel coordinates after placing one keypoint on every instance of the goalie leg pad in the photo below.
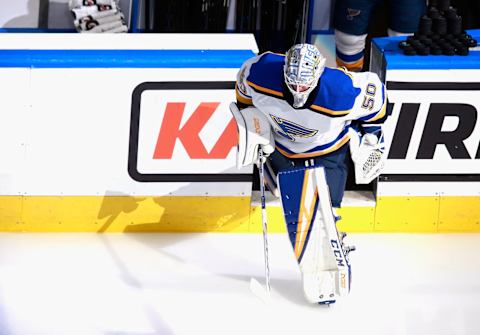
(313, 234)
(335, 166)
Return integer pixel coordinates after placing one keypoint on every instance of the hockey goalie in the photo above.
(301, 119)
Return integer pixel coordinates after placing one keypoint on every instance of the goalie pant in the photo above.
(335, 165)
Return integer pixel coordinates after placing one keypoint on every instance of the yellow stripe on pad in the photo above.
(304, 218)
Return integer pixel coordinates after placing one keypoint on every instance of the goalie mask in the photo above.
(303, 66)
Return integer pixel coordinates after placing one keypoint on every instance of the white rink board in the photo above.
(442, 162)
(49, 41)
(19, 13)
(429, 189)
(66, 131)
(439, 75)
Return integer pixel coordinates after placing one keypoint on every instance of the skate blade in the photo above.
(327, 302)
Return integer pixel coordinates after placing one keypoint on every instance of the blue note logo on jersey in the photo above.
(291, 130)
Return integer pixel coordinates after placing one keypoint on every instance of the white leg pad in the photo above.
(323, 261)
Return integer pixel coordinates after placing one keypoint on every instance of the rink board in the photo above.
(124, 136)
(225, 214)
(109, 131)
(431, 179)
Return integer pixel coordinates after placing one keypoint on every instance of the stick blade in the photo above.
(259, 290)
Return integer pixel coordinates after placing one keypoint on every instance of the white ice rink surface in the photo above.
(144, 284)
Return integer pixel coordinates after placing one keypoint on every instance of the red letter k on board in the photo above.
(170, 131)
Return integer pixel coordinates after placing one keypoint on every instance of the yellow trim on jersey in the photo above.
(351, 66)
(330, 111)
(337, 146)
(380, 114)
(344, 70)
(264, 89)
(242, 98)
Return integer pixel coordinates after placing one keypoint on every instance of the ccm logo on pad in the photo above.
(183, 132)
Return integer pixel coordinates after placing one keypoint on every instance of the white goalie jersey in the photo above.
(322, 125)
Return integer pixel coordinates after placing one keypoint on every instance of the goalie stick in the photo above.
(261, 161)
(255, 286)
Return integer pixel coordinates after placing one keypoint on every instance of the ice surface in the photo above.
(143, 284)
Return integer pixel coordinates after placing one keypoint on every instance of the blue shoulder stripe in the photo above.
(337, 93)
(266, 75)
